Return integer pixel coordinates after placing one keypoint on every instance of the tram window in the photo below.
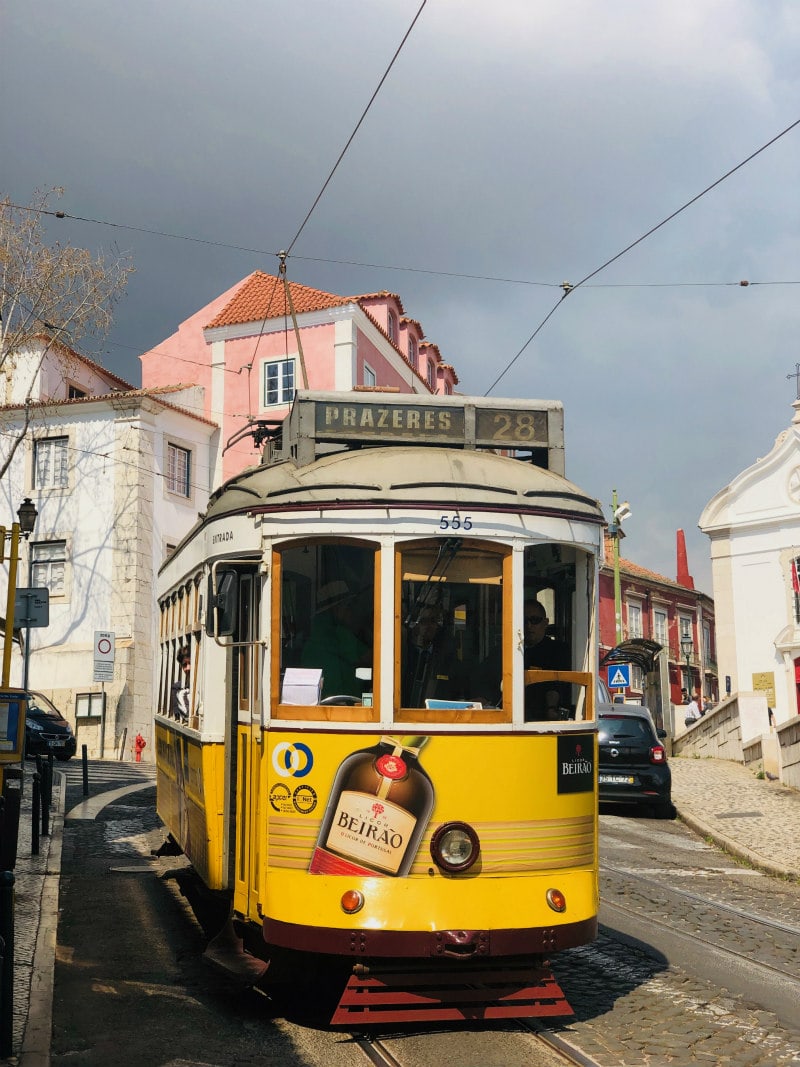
(450, 641)
(222, 597)
(556, 622)
(327, 616)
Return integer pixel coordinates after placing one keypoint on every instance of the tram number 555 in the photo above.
(455, 522)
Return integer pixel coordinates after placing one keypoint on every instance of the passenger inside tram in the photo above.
(544, 700)
(334, 643)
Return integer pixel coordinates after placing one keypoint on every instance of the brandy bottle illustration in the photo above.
(379, 805)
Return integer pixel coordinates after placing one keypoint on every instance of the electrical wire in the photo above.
(357, 127)
(569, 288)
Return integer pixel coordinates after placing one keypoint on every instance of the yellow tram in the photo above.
(385, 752)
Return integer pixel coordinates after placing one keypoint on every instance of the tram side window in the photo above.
(451, 626)
(327, 616)
(549, 597)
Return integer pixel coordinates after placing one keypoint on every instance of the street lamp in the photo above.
(619, 513)
(27, 515)
(687, 646)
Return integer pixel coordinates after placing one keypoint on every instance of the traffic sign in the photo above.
(619, 676)
(31, 607)
(104, 648)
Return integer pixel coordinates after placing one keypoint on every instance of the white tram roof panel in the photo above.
(402, 476)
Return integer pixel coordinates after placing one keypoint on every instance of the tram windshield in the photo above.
(451, 625)
(327, 622)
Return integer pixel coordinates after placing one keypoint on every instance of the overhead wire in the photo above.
(402, 268)
(568, 288)
(350, 139)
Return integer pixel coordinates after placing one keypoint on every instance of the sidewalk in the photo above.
(36, 881)
(756, 820)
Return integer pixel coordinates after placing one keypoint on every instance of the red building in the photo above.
(665, 611)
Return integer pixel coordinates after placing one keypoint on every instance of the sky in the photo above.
(512, 147)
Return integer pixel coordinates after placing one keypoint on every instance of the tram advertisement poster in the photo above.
(331, 810)
(576, 763)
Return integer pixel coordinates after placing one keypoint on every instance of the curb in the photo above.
(741, 852)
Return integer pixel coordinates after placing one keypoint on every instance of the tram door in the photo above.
(246, 691)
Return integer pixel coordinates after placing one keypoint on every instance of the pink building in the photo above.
(669, 612)
(240, 361)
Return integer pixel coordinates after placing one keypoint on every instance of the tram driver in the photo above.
(431, 667)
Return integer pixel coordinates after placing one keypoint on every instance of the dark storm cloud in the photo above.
(513, 140)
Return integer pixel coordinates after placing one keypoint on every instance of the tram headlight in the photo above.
(455, 847)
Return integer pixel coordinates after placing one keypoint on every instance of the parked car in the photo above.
(632, 765)
(46, 730)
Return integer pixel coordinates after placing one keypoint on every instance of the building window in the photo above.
(660, 631)
(369, 377)
(431, 375)
(412, 351)
(279, 382)
(89, 705)
(637, 678)
(634, 619)
(391, 326)
(48, 566)
(708, 658)
(74, 393)
(50, 469)
(684, 626)
(178, 470)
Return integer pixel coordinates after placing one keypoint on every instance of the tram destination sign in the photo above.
(401, 422)
(430, 423)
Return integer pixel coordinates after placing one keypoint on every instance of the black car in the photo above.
(633, 766)
(46, 730)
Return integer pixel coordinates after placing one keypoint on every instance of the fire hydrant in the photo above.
(139, 745)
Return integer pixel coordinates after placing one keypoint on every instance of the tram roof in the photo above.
(403, 476)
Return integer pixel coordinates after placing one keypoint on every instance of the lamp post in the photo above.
(619, 512)
(687, 646)
(27, 514)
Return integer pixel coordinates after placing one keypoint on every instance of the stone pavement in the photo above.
(36, 881)
(755, 820)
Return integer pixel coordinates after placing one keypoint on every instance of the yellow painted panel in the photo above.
(432, 903)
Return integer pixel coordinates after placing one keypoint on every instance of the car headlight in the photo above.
(34, 726)
(455, 847)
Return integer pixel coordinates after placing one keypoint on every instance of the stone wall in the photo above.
(788, 734)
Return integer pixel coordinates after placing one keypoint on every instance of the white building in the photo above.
(118, 475)
(754, 526)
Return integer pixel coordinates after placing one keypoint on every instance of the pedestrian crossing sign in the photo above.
(619, 676)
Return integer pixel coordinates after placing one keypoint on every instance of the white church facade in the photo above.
(754, 527)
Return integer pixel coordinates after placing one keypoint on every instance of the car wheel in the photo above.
(665, 810)
(62, 757)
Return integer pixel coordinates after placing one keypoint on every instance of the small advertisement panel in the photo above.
(13, 705)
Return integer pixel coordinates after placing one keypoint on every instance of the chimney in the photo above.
(684, 578)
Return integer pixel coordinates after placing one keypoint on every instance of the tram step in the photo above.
(446, 996)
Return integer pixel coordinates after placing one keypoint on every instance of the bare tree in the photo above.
(50, 294)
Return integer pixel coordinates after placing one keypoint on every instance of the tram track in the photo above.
(556, 1050)
(707, 901)
(695, 944)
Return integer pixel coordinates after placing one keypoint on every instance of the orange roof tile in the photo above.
(263, 296)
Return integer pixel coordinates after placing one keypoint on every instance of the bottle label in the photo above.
(369, 830)
(391, 766)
